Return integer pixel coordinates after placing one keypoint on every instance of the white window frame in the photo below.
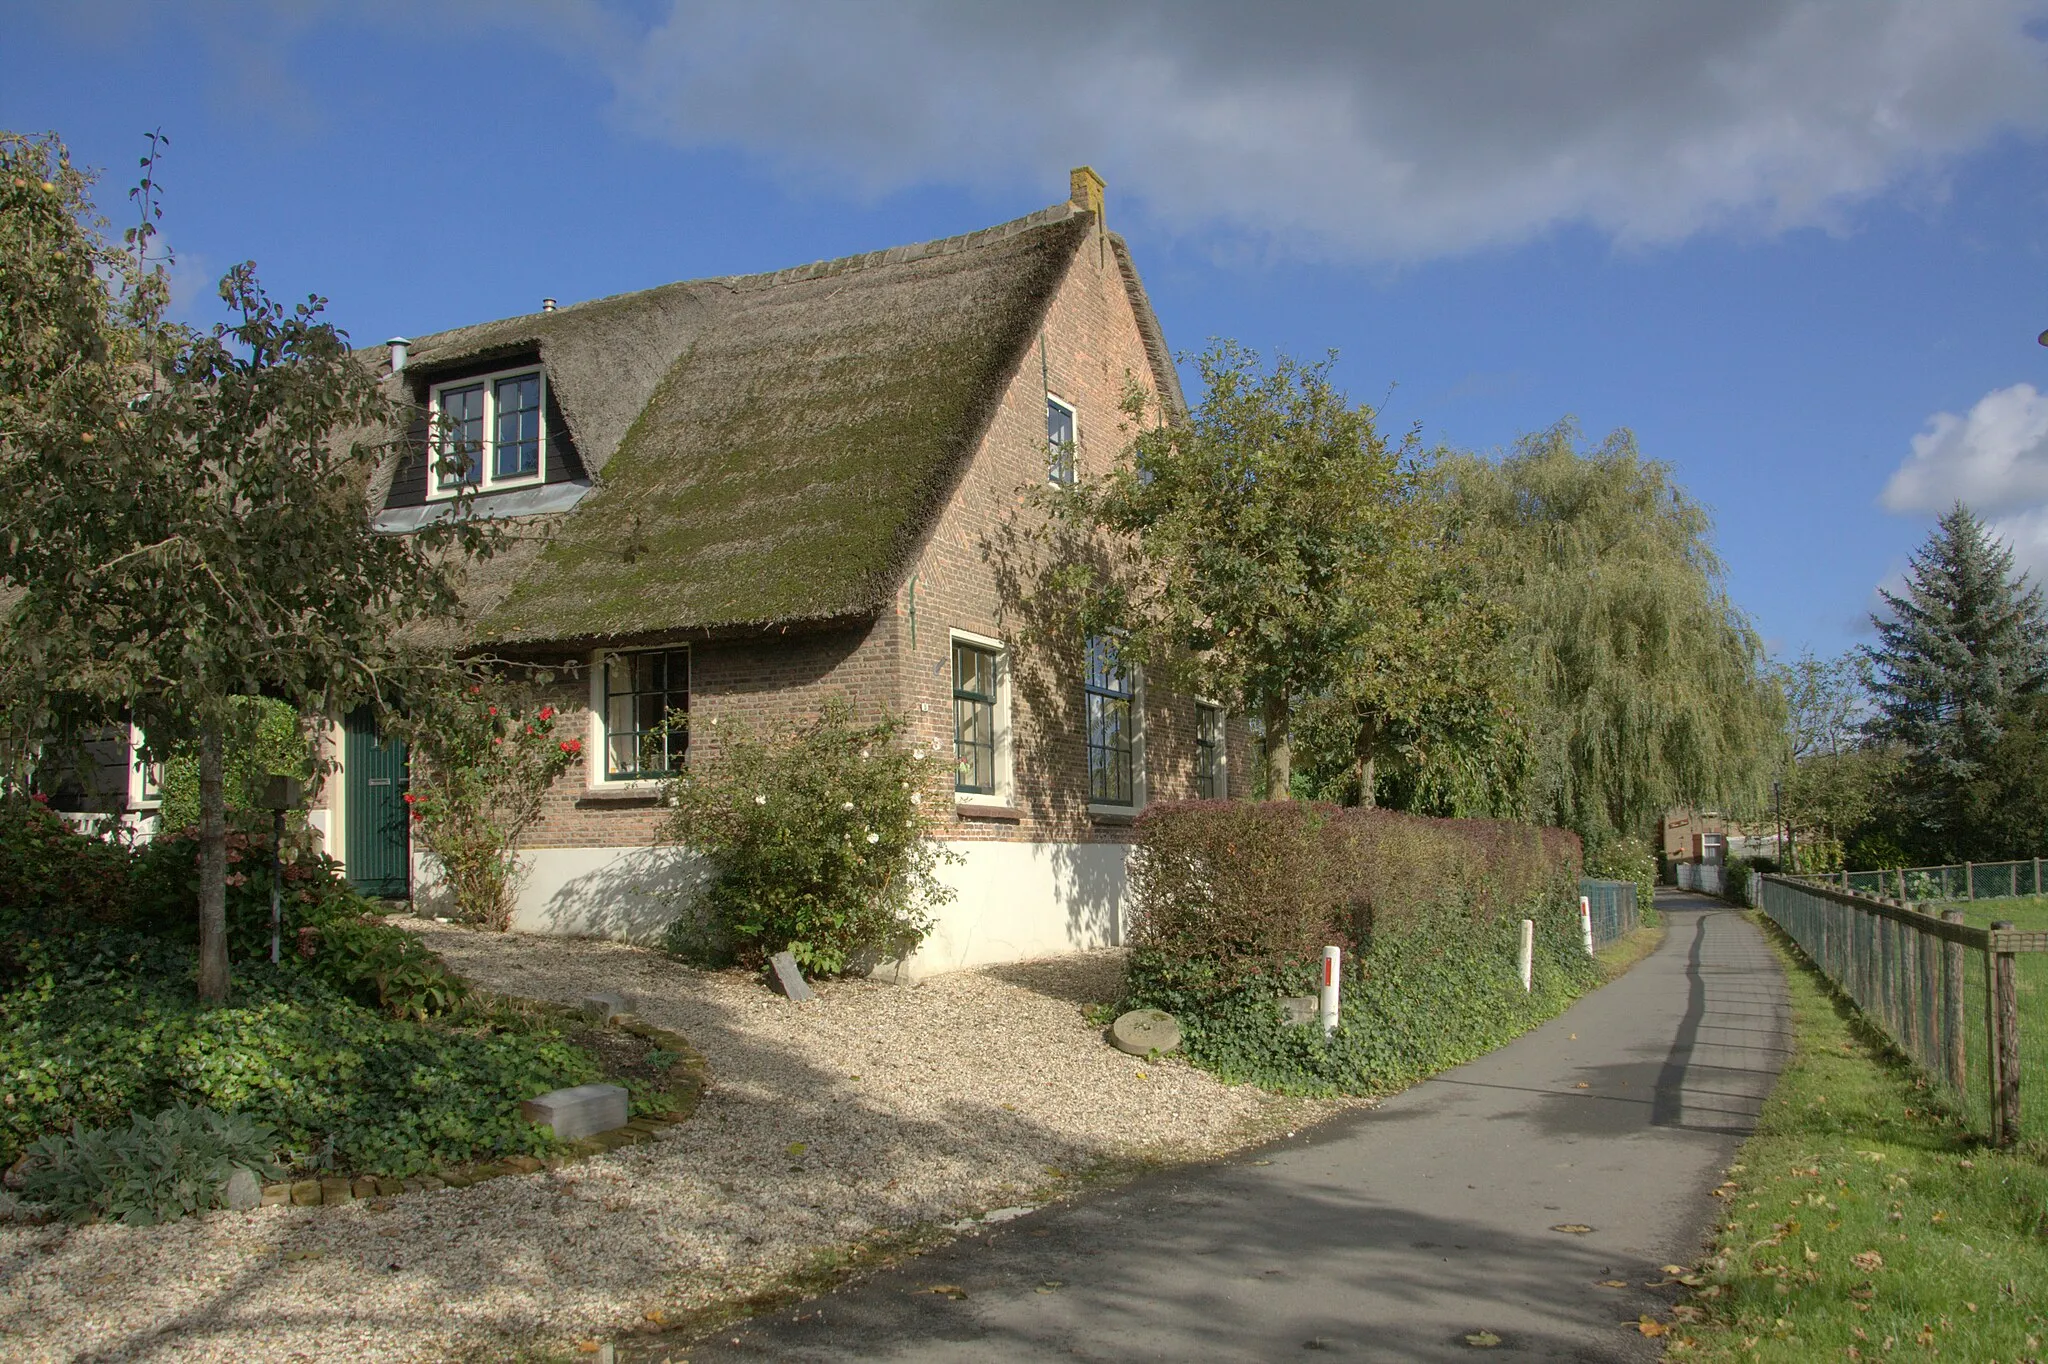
(1006, 785)
(145, 780)
(487, 478)
(1052, 454)
(1138, 791)
(1222, 747)
(597, 747)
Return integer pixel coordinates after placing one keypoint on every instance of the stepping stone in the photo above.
(582, 1111)
(1144, 1031)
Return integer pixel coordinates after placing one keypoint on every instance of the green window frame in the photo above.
(1110, 695)
(1210, 781)
(646, 714)
(975, 693)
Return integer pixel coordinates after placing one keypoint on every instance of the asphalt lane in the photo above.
(1390, 1234)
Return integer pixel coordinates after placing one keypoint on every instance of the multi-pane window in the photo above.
(974, 718)
(1209, 780)
(517, 443)
(646, 713)
(490, 430)
(461, 428)
(1112, 724)
(1059, 441)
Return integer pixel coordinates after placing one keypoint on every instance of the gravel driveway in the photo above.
(874, 1106)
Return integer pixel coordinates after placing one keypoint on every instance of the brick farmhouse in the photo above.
(736, 497)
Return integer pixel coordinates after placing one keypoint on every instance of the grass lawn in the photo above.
(1862, 1222)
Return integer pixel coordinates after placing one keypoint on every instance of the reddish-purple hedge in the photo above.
(1232, 891)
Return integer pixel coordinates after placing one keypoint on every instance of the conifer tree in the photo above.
(1959, 651)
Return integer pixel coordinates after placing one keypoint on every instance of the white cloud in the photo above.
(1383, 129)
(1995, 459)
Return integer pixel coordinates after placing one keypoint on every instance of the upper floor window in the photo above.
(645, 713)
(488, 431)
(1211, 782)
(1061, 467)
(1111, 694)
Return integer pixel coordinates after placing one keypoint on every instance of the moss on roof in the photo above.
(802, 433)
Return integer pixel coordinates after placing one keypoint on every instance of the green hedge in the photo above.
(1236, 900)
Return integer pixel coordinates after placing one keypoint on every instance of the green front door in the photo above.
(376, 831)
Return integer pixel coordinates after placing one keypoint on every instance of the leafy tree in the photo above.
(1641, 684)
(199, 530)
(1271, 547)
(1959, 650)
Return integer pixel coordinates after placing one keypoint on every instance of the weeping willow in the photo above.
(1644, 687)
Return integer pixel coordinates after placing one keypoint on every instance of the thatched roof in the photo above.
(767, 449)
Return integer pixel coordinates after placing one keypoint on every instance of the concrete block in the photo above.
(1144, 1031)
(583, 1111)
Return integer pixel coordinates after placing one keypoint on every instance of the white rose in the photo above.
(846, 805)
(874, 838)
(760, 800)
(916, 799)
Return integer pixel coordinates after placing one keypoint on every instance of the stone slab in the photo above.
(787, 979)
(306, 1193)
(1144, 1031)
(582, 1111)
(241, 1191)
(336, 1190)
(274, 1194)
(606, 1005)
(1300, 1009)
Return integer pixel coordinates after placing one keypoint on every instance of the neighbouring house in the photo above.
(102, 782)
(737, 496)
(1711, 838)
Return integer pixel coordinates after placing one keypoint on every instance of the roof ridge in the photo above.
(892, 255)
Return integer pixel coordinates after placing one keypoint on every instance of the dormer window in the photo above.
(488, 431)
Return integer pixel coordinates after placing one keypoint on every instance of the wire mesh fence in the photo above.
(1959, 881)
(1967, 1002)
(1613, 907)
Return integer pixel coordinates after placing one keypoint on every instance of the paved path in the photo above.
(1387, 1234)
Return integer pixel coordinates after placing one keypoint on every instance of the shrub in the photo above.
(263, 740)
(819, 841)
(1235, 902)
(55, 880)
(153, 1170)
(1628, 859)
(486, 763)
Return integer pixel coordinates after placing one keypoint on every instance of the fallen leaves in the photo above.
(1481, 1340)
(1869, 1261)
(1572, 1228)
(948, 1290)
(1650, 1326)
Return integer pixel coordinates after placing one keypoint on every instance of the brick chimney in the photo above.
(1085, 189)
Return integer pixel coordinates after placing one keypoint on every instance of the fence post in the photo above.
(2005, 1008)
(1586, 922)
(1328, 1005)
(1955, 1053)
(2037, 878)
(1969, 880)
(1527, 956)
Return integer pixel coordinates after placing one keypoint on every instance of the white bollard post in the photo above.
(1528, 961)
(1586, 922)
(1333, 961)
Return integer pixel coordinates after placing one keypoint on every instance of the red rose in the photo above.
(410, 798)
(572, 745)
(547, 712)
(494, 710)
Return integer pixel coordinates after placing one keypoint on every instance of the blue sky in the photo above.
(1798, 246)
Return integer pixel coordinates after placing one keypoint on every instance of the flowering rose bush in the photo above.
(488, 762)
(819, 839)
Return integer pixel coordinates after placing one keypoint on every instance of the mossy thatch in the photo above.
(768, 449)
